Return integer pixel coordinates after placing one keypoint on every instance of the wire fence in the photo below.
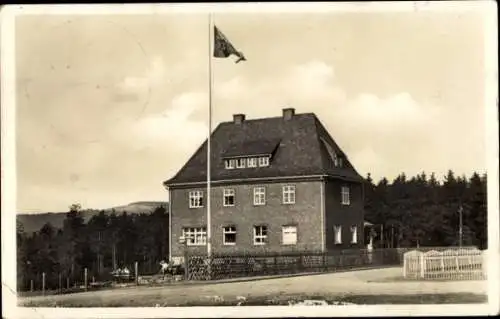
(450, 264)
(84, 279)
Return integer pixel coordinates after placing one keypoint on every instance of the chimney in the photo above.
(288, 113)
(238, 118)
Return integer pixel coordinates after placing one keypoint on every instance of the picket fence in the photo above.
(450, 264)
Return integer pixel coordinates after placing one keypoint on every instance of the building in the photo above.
(278, 184)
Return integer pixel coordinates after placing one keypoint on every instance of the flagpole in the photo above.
(209, 224)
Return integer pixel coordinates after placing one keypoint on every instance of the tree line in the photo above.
(105, 242)
(406, 212)
(421, 211)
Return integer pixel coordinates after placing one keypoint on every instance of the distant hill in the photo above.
(33, 222)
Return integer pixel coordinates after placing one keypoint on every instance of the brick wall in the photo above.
(345, 215)
(305, 214)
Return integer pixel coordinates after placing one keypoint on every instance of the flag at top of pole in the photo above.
(219, 47)
(223, 48)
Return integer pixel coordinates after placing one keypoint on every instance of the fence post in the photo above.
(60, 282)
(136, 273)
(85, 278)
(422, 266)
(442, 262)
(31, 285)
(43, 283)
(276, 271)
(67, 283)
(186, 265)
(404, 266)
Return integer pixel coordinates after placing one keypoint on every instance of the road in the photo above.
(363, 282)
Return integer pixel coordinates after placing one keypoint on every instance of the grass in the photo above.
(282, 299)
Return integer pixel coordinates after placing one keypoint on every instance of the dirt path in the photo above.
(364, 282)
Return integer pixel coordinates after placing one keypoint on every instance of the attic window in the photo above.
(229, 164)
(240, 163)
(263, 161)
(337, 161)
(252, 162)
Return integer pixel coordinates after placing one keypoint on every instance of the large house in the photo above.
(277, 184)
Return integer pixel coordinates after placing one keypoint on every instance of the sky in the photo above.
(110, 106)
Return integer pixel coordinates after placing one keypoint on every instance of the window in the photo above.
(337, 232)
(259, 235)
(340, 162)
(289, 234)
(229, 235)
(229, 197)
(195, 236)
(288, 194)
(354, 234)
(263, 161)
(252, 162)
(259, 196)
(229, 164)
(345, 195)
(240, 163)
(195, 199)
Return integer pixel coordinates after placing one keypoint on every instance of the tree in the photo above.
(72, 241)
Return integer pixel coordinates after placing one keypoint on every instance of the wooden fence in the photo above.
(449, 264)
(265, 264)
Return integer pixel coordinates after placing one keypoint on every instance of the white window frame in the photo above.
(241, 162)
(195, 236)
(354, 234)
(289, 230)
(289, 194)
(337, 234)
(259, 196)
(230, 164)
(345, 195)
(252, 162)
(195, 199)
(263, 161)
(258, 237)
(228, 230)
(227, 192)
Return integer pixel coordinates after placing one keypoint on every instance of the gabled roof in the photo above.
(296, 145)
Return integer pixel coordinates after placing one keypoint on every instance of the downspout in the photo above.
(323, 216)
(169, 224)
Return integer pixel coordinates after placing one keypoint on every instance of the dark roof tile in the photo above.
(296, 143)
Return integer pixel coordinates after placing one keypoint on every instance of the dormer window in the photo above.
(263, 161)
(240, 163)
(337, 160)
(230, 164)
(252, 162)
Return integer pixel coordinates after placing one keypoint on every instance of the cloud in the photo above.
(384, 135)
(175, 128)
(153, 77)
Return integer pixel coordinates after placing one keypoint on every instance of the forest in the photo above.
(406, 212)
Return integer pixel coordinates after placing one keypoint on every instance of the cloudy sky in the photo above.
(109, 106)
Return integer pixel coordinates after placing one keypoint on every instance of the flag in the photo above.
(223, 48)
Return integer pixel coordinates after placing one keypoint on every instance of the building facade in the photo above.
(277, 184)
